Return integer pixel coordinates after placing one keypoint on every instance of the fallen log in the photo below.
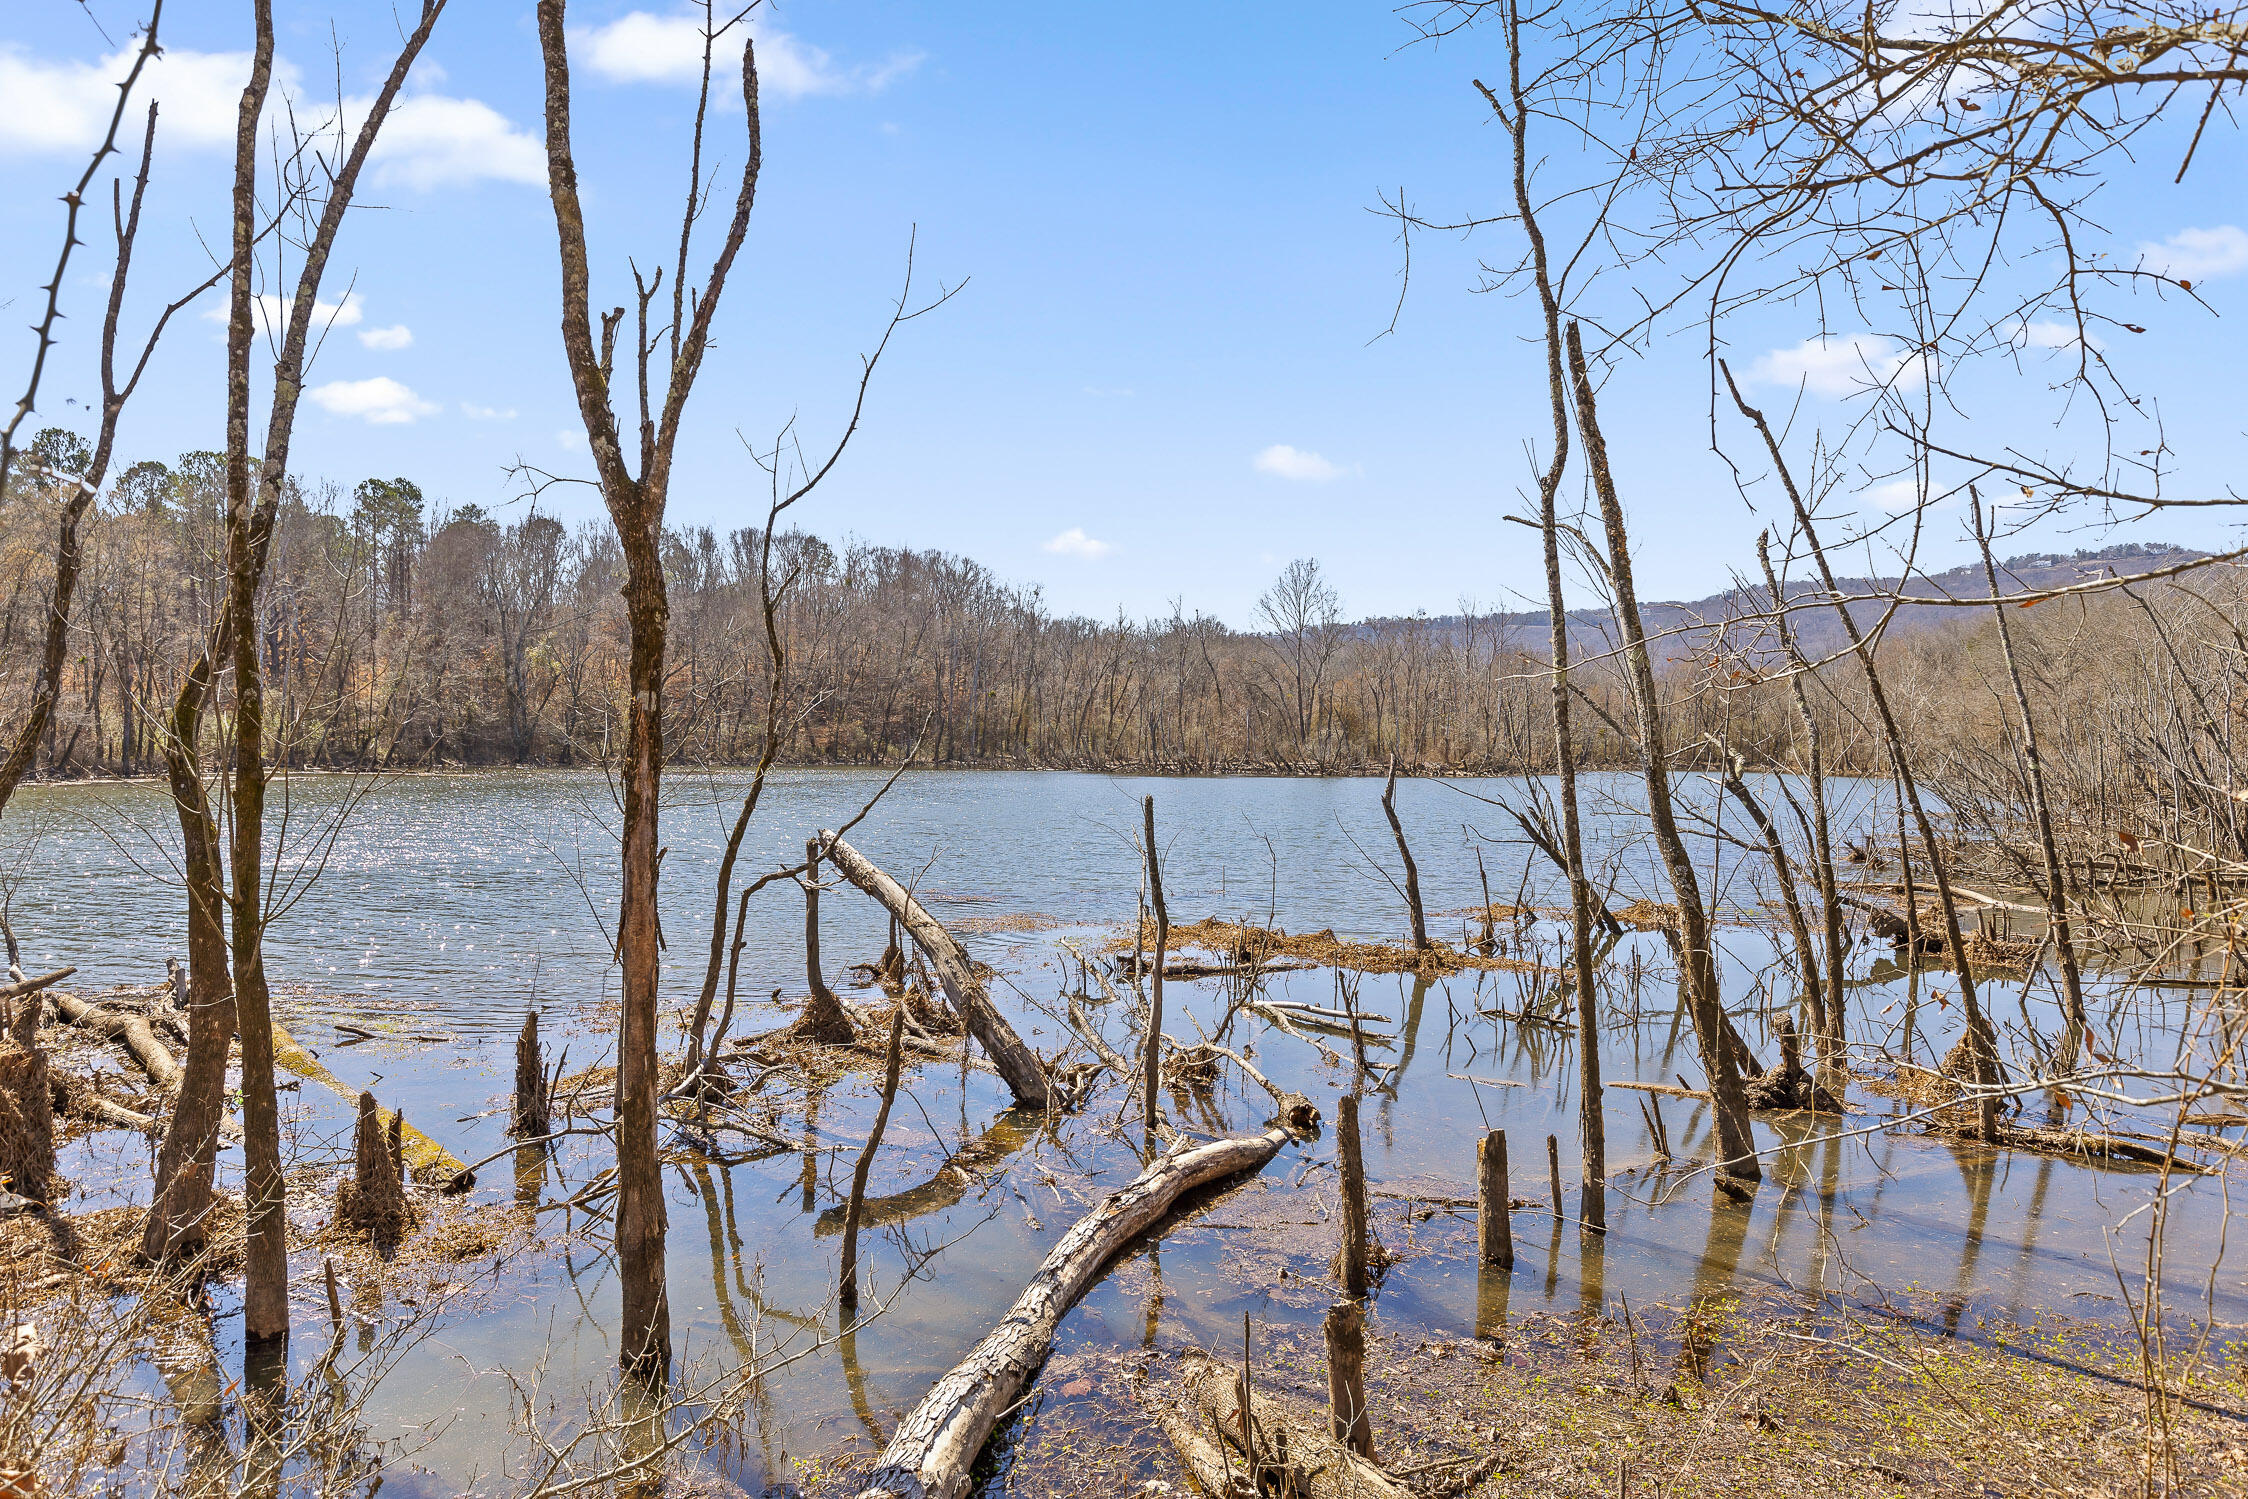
(933, 1451)
(87, 1104)
(431, 1163)
(2084, 1144)
(1017, 1064)
(1291, 1451)
(33, 986)
(1665, 1089)
(154, 1056)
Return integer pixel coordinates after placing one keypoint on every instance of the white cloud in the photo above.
(1075, 543)
(645, 48)
(1897, 496)
(1295, 463)
(271, 311)
(66, 105)
(429, 140)
(1835, 367)
(2045, 335)
(2198, 254)
(388, 340)
(478, 413)
(382, 401)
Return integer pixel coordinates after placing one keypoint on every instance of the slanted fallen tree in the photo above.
(933, 1451)
(131, 1031)
(1016, 1062)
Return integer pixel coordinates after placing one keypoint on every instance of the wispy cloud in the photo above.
(2198, 254)
(642, 47)
(271, 313)
(1285, 462)
(1075, 543)
(388, 340)
(1842, 365)
(476, 413)
(380, 402)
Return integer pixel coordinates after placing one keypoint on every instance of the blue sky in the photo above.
(1163, 379)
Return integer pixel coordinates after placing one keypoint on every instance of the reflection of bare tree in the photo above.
(1010, 1132)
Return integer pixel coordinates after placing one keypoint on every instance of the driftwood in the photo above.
(1665, 1089)
(154, 1056)
(87, 1104)
(1017, 1064)
(933, 1452)
(1291, 1449)
(33, 986)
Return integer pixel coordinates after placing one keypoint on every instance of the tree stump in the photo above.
(27, 1108)
(372, 1200)
(534, 1114)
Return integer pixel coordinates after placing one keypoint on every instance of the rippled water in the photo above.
(446, 904)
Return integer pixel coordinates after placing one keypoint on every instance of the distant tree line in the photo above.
(396, 634)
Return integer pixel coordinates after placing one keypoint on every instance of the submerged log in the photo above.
(1015, 1061)
(431, 1163)
(932, 1454)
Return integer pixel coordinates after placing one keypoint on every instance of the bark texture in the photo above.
(1017, 1064)
(933, 1452)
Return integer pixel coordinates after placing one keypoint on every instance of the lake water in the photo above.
(444, 905)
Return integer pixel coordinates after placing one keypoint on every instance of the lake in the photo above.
(443, 906)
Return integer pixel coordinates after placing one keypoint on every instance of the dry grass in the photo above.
(1244, 945)
(1713, 1400)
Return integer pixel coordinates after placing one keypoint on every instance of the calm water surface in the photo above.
(444, 905)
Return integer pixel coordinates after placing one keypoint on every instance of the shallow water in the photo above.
(446, 904)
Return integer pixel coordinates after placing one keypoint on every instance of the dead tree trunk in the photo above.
(1153, 1060)
(534, 1114)
(1358, 1253)
(27, 1106)
(372, 1200)
(935, 1449)
(1736, 1146)
(1514, 114)
(1982, 1042)
(2041, 808)
(1347, 1418)
(1017, 1064)
(1405, 853)
(636, 502)
(1494, 1229)
(824, 1019)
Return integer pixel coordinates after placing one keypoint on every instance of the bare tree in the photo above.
(181, 1195)
(1304, 614)
(635, 497)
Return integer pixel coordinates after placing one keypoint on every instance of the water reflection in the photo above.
(441, 899)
